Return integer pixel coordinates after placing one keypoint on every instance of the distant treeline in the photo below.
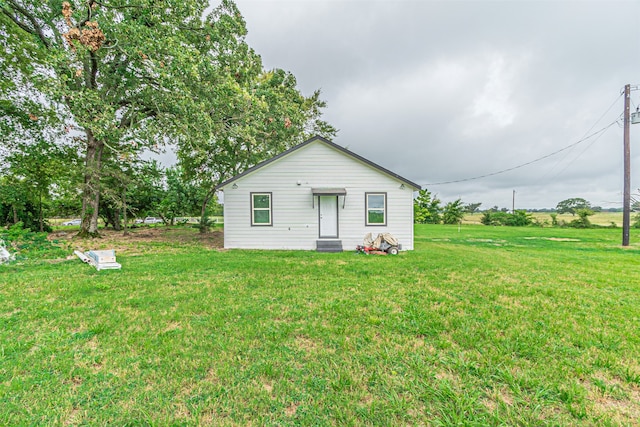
(595, 209)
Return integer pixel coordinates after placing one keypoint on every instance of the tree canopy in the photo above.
(426, 208)
(572, 205)
(115, 78)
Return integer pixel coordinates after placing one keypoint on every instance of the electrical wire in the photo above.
(605, 113)
(527, 163)
(579, 155)
(584, 138)
(546, 174)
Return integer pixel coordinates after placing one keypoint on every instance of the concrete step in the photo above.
(329, 245)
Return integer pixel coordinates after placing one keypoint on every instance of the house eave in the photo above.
(260, 165)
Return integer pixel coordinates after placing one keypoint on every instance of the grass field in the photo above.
(477, 326)
(604, 219)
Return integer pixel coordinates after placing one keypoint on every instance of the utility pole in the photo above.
(626, 200)
(513, 203)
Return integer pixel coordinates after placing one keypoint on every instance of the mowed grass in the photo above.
(477, 326)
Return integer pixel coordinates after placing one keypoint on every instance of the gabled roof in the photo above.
(330, 144)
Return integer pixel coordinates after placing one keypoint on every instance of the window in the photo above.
(261, 209)
(376, 208)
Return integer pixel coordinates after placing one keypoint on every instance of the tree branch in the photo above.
(35, 29)
(17, 22)
(127, 120)
(186, 27)
(88, 18)
(102, 4)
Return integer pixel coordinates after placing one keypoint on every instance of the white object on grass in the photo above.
(5, 256)
(101, 260)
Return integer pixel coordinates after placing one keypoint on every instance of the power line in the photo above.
(547, 173)
(579, 155)
(527, 163)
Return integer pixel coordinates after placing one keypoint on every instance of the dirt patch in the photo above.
(553, 239)
(614, 398)
(305, 343)
(291, 409)
(111, 239)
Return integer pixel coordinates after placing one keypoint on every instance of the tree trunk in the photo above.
(124, 210)
(106, 219)
(15, 214)
(91, 191)
(204, 226)
(117, 226)
(204, 220)
(40, 216)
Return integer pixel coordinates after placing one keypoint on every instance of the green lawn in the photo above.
(477, 326)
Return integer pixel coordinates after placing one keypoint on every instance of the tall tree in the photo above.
(472, 208)
(426, 208)
(144, 189)
(572, 205)
(41, 165)
(14, 200)
(116, 70)
(246, 114)
(180, 197)
(453, 212)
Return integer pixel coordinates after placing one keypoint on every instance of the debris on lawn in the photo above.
(384, 244)
(101, 260)
(5, 256)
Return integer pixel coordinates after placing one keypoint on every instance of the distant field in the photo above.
(600, 218)
(477, 326)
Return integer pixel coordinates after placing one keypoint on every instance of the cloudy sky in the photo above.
(441, 91)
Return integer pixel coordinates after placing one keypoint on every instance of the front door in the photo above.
(328, 211)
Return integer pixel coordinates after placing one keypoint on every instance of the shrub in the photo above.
(583, 219)
(25, 243)
(519, 218)
(492, 218)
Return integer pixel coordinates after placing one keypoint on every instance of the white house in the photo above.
(316, 195)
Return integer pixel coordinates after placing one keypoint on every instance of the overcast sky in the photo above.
(441, 91)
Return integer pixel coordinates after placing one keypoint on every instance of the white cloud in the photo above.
(493, 106)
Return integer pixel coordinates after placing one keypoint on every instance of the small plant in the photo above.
(205, 224)
(583, 219)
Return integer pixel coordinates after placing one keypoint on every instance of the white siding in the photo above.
(295, 215)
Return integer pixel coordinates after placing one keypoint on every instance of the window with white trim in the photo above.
(261, 213)
(376, 208)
